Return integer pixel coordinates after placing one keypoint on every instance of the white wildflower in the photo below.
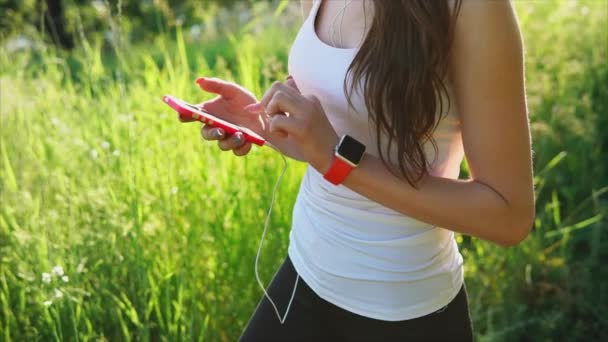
(116, 153)
(94, 154)
(174, 190)
(110, 36)
(100, 7)
(19, 43)
(47, 303)
(46, 278)
(79, 142)
(127, 118)
(58, 271)
(105, 145)
(180, 19)
(58, 294)
(65, 278)
(81, 268)
(55, 121)
(195, 31)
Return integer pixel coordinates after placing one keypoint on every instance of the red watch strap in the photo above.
(338, 171)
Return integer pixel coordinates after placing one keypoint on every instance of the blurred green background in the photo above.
(117, 223)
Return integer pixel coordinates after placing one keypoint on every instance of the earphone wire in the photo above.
(331, 26)
(257, 276)
(342, 20)
(276, 186)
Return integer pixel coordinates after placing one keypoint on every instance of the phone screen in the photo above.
(191, 106)
(208, 115)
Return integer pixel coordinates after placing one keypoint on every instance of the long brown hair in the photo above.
(404, 61)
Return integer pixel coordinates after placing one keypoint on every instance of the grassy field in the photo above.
(118, 223)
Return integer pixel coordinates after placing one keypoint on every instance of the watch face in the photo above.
(351, 149)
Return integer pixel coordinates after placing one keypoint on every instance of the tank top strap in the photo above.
(312, 15)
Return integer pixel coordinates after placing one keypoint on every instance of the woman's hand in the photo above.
(298, 125)
(228, 105)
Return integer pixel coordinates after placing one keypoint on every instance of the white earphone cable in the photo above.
(331, 27)
(276, 186)
(274, 192)
(341, 20)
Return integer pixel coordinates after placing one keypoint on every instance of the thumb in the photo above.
(212, 106)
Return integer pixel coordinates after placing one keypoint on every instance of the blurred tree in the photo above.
(54, 22)
(59, 20)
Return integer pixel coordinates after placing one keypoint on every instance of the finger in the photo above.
(234, 141)
(185, 118)
(212, 133)
(218, 86)
(243, 150)
(282, 102)
(255, 108)
(279, 134)
(292, 83)
(212, 106)
(279, 88)
(282, 123)
(261, 106)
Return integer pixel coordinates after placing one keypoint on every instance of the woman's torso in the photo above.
(352, 251)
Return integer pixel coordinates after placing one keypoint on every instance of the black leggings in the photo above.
(312, 318)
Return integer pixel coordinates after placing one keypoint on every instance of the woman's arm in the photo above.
(487, 73)
(497, 202)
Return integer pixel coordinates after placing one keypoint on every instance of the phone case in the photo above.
(185, 109)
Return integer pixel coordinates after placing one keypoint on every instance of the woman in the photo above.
(414, 85)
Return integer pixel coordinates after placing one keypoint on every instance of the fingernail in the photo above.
(218, 133)
(254, 107)
(238, 137)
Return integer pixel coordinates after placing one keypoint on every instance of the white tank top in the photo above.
(352, 251)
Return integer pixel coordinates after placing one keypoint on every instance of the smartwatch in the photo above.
(347, 155)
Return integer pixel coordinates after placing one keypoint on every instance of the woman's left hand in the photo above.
(298, 122)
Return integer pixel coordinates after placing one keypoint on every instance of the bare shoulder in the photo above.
(487, 14)
(306, 5)
(487, 31)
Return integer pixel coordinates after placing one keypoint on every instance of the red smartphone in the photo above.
(188, 110)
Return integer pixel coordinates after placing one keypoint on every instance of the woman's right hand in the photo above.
(228, 105)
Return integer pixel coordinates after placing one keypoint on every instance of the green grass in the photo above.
(158, 231)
